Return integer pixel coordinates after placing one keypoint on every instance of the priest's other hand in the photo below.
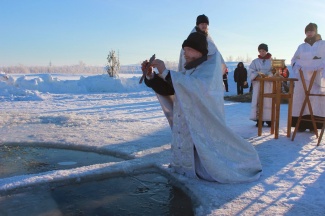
(159, 64)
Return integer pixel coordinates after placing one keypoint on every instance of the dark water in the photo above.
(20, 160)
(146, 192)
(142, 194)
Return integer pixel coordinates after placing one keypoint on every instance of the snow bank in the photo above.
(24, 87)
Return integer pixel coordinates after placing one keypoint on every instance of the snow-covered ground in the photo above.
(121, 116)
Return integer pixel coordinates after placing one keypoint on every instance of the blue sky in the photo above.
(65, 32)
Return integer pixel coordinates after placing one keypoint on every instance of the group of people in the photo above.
(202, 145)
(308, 58)
(240, 77)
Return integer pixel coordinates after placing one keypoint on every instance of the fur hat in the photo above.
(197, 41)
(263, 47)
(311, 27)
(202, 19)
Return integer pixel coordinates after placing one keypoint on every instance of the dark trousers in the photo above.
(240, 89)
(226, 84)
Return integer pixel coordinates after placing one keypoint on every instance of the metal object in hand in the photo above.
(153, 57)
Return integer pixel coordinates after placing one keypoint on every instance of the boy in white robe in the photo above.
(261, 66)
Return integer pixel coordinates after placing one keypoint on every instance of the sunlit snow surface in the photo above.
(120, 116)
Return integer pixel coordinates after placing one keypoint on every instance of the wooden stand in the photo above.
(276, 96)
(313, 119)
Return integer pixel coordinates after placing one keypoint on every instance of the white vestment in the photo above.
(166, 102)
(304, 59)
(264, 66)
(202, 144)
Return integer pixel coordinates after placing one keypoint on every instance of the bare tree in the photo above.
(113, 65)
(248, 58)
(240, 59)
(49, 69)
(230, 58)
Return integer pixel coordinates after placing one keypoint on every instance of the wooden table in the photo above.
(276, 96)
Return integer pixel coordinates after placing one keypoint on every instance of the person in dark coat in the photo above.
(240, 76)
(225, 79)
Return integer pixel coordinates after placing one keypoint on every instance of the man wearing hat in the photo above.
(261, 66)
(309, 57)
(202, 26)
(202, 23)
(202, 145)
(166, 99)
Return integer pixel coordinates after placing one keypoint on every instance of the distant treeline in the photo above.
(69, 69)
(81, 68)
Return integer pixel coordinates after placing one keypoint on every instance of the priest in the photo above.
(202, 145)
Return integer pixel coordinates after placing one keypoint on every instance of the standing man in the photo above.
(240, 76)
(202, 145)
(309, 57)
(225, 79)
(202, 26)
